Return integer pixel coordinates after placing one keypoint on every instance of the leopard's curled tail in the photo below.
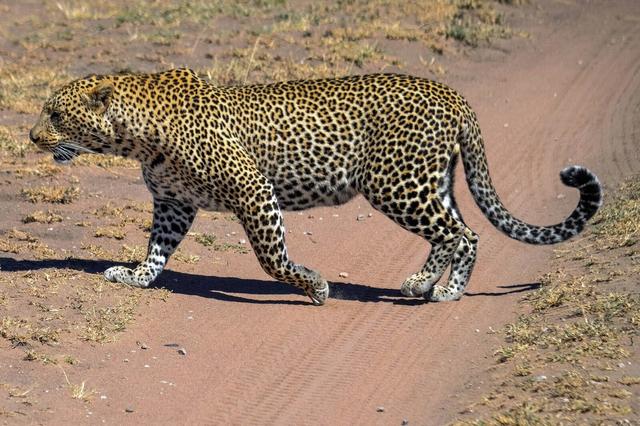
(485, 196)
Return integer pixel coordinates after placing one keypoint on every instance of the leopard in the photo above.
(260, 149)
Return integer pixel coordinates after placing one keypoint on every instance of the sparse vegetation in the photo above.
(42, 217)
(51, 194)
(181, 256)
(20, 331)
(209, 240)
(16, 392)
(16, 241)
(110, 232)
(11, 144)
(568, 352)
(102, 323)
(25, 88)
(78, 391)
(105, 161)
(32, 355)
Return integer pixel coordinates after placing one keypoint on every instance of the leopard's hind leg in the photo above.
(464, 257)
(422, 212)
(462, 264)
(425, 206)
(446, 235)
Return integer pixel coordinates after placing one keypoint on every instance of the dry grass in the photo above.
(618, 225)
(41, 169)
(20, 242)
(53, 306)
(183, 257)
(20, 331)
(33, 355)
(118, 217)
(78, 391)
(341, 38)
(40, 216)
(270, 39)
(13, 144)
(126, 253)
(175, 13)
(25, 88)
(15, 392)
(578, 327)
(106, 161)
(104, 322)
(110, 232)
(51, 194)
(211, 241)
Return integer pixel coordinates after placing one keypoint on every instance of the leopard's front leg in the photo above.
(171, 221)
(264, 226)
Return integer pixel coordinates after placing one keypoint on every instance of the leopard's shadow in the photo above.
(229, 288)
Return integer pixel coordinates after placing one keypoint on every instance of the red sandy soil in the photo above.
(259, 353)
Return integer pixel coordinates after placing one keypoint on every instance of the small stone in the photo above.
(540, 378)
(182, 351)
(144, 346)
(380, 409)
(405, 422)
(103, 396)
(560, 196)
(243, 241)
(360, 217)
(308, 233)
(310, 216)
(128, 410)
(621, 365)
(343, 275)
(370, 215)
(146, 366)
(126, 360)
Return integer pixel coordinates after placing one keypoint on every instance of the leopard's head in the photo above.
(74, 120)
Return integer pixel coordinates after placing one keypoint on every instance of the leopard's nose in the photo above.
(33, 136)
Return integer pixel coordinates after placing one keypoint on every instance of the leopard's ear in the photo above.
(98, 97)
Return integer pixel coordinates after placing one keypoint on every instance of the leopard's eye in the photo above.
(55, 116)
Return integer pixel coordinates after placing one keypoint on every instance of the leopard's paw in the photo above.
(416, 285)
(319, 294)
(439, 293)
(122, 274)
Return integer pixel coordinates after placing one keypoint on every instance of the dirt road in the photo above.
(258, 353)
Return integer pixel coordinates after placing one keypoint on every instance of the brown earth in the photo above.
(258, 353)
